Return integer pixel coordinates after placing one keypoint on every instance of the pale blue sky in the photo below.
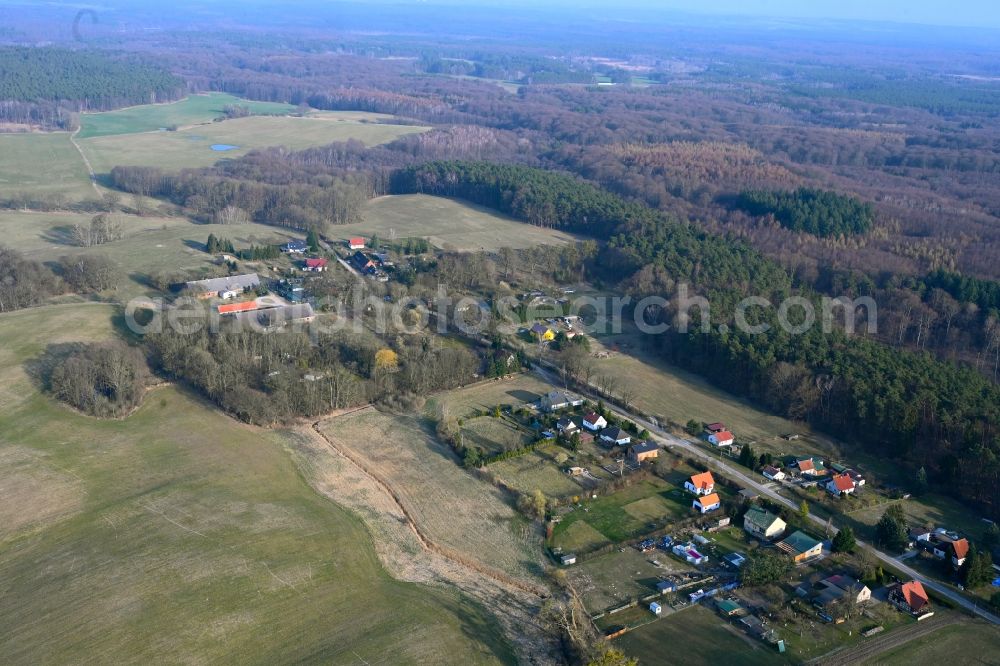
(973, 13)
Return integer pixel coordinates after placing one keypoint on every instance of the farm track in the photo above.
(86, 162)
(871, 649)
(425, 540)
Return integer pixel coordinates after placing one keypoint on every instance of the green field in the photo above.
(191, 146)
(670, 393)
(151, 244)
(43, 164)
(622, 515)
(966, 643)
(193, 110)
(447, 224)
(694, 636)
(180, 535)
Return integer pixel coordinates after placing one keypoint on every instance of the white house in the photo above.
(566, 426)
(568, 559)
(707, 503)
(689, 553)
(615, 435)
(840, 485)
(701, 484)
(772, 473)
(594, 421)
(721, 438)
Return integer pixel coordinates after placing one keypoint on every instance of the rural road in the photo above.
(730, 471)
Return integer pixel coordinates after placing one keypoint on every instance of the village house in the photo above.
(315, 265)
(911, 598)
(772, 473)
(356, 243)
(556, 400)
(543, 333)
(566, 426)
(721, 438)
(701, 484)
(295, 247)
(594, 421)
(615, 436)
(763, 524)
(836, 595)
(954, 550)
(223, 287)
(642, 451)
(810, 467)
(801, 547)
(707, 503)
(840, 485)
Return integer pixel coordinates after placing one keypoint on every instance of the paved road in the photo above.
(732, 472)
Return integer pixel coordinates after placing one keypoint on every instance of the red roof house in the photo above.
(356, 243)
(841, 484)
(316, 265)
(910, 597)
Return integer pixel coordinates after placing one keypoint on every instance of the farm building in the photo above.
(233, 308)
(763, 524)
(276, 317)
(232, 286)
(707, 503)
(594, 422)
(701, 484)
(556, 400)
(643, 451)
(801, 547)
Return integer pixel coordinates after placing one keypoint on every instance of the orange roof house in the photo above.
(233, 308)
(707, 503)
(701, 484)
(911, 597)
(841, 484)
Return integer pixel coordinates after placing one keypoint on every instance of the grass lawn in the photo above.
(494, 435)
(613, 579)
(447, 224)
(454, 508)
(151, 244)
(484, 396)
(538, 470)
(966, 643)
(43, 164)
(192, 110)
(191, 146)
(700, 636)
(931, 510)
(671, 393)
(625, 514)
(179, 534)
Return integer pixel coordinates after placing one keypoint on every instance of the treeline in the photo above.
(48, 86)
(984, 293)
(269, 379)
(818, 212)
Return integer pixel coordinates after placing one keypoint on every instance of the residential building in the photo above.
(701, 484)
(801, 547)
(615, 436)
(712, 428)
(811, 467)
(543, 333)
(295, 247)
(763, 524)
(706, 503)
(955, 550)
(772, 473)
(315, 265)
(566, 426)
(840, 485)
(642, 451)
(594, 421)
(568, 559)
(911, 598)
(356, 243)
(721, 438)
